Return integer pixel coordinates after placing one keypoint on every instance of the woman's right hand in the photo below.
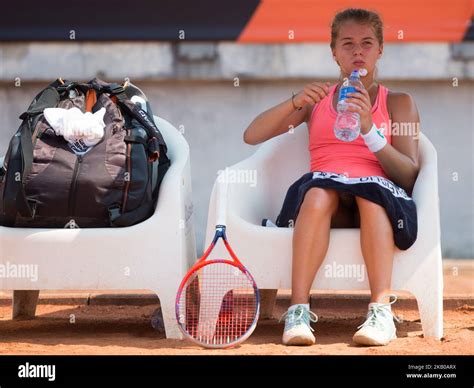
(312, 93)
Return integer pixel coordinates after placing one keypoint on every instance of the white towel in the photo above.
(82, 131)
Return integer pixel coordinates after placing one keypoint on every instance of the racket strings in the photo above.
(218, 304)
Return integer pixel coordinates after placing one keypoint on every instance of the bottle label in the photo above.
(344, 90)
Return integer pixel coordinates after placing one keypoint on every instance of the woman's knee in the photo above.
(365, 205)
(320, 200)
(368, 209)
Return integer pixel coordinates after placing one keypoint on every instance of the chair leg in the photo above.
(431, 313)
(167, 304)
(428, 292)
(267, 303)
(24, 304)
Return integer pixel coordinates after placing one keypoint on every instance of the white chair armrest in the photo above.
(425, 192)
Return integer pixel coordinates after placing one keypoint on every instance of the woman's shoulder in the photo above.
(399, 102)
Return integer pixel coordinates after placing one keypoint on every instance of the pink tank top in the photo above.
(353, 159)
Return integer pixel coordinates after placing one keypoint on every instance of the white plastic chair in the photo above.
(266, 251)
(152, 255)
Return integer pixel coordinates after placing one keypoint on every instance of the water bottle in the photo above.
(347, 125)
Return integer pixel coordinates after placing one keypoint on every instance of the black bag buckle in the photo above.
(66, 87)
(115, 89)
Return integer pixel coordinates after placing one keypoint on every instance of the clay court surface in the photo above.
(127, 330)
(104, 326)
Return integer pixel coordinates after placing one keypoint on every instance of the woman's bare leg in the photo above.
(311, 239)
(378, 248)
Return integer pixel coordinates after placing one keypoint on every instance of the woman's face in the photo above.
(356, 47)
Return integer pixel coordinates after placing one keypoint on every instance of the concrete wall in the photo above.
(193, 86)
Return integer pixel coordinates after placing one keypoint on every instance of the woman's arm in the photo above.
(400, 159)
(273, 122)
(282, 117)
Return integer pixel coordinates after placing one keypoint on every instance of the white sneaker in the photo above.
(379, 328)
(298, 330)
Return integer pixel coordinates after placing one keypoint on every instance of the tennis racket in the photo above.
(218, 302)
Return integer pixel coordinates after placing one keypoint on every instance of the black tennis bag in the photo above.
(45, 182)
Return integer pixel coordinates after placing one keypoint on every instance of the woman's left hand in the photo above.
(363, 106)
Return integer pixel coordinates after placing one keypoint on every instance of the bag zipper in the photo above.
(129, 171)
(72, 190)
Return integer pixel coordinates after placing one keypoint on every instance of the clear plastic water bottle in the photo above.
(347, 125)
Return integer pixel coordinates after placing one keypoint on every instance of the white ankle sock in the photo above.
(294, 306)
(386, 305)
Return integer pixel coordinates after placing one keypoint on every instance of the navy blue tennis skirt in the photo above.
(401, 208)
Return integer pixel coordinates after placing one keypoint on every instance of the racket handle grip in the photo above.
(221, 205)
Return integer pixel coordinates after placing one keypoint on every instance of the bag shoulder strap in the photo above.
(21, 154)
(157, 148)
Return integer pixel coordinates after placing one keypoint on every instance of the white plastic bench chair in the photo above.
(152, 255)
(267, 251)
